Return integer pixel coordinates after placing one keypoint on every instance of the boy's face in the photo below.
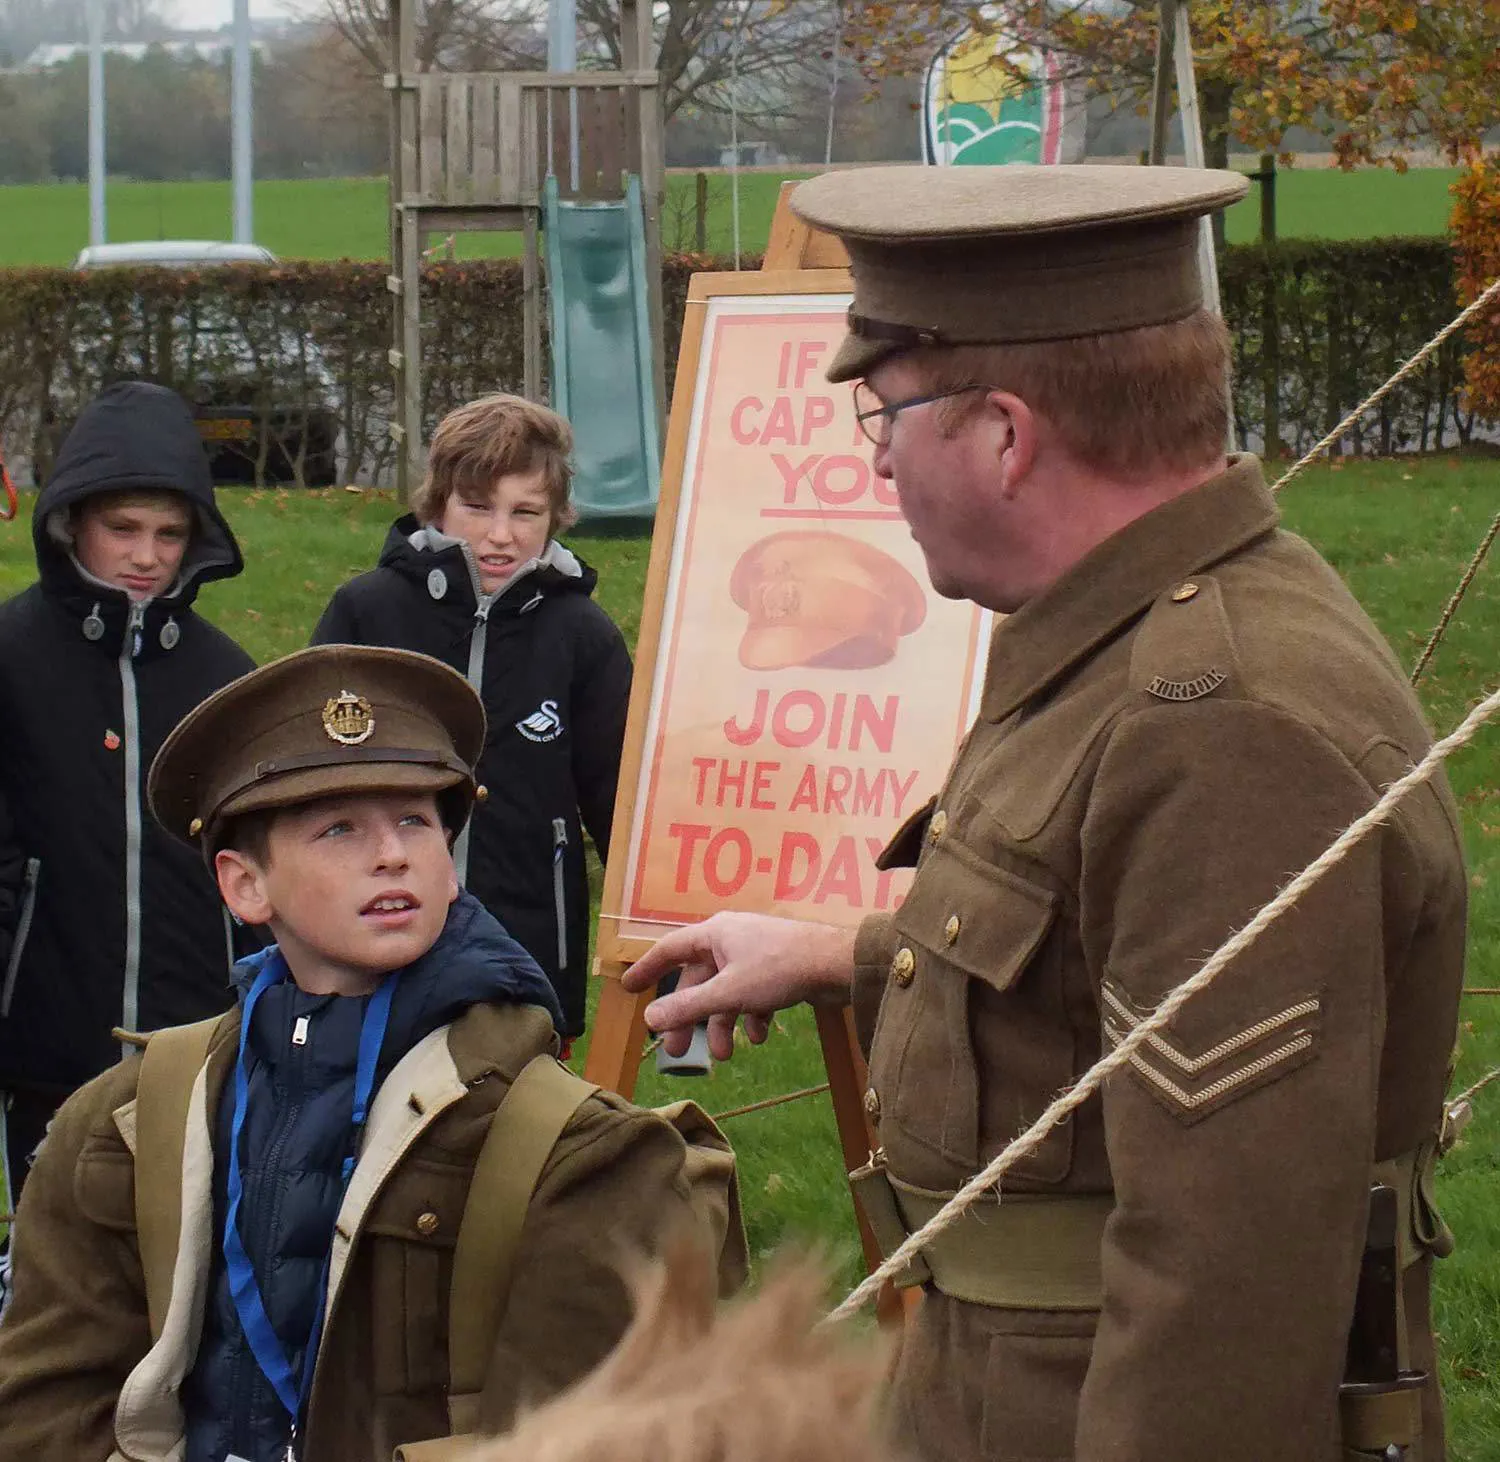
(353, 887)
(134, 542)
(505, 529)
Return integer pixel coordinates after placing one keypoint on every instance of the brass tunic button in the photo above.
(1183, 592)
(872, 1104)
(902, 966)
(427, 1224)
(937, 826)
(195, 827)
(950, 929)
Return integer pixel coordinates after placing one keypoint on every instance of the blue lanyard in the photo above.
(270, 1355)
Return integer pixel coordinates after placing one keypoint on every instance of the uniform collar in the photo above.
(1044, 639)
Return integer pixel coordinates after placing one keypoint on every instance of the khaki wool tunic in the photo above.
(1167, 734)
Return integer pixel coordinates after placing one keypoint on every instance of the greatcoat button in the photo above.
(950, 929)
(1183, 592)
(427, 1224)
(902, 966)
(937, 826)
(872, 1104)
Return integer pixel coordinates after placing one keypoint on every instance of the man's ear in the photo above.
(1015, 448)
(242, 886)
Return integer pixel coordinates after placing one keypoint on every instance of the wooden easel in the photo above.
(619, 1032)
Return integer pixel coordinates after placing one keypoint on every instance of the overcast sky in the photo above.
(209, 14)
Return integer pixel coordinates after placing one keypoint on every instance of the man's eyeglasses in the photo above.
(877, 417)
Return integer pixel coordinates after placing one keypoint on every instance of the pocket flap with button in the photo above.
(985, 920)
(423, 1203)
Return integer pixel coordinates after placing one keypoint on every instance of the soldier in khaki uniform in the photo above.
(1184, 706)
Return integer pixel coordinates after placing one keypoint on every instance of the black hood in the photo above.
(417, 553)
(133, 437)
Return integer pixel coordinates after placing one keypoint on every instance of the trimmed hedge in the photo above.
(1316, 326)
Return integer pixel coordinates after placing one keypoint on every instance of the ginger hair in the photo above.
(1126, 404)
(482, 441)
(759, 1383)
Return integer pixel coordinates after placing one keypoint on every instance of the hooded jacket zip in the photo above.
(478, 637)
(559, 891)
(130, 1011)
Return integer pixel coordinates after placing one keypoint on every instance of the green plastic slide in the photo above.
(602, 372)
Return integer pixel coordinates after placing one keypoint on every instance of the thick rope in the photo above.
(1432, 345)
(1457, 599)
(1237, 943)
(1488, 1079)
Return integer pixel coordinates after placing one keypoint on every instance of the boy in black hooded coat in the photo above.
(475, 577)
(110, 921)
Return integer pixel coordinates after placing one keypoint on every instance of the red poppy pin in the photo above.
(111, 740)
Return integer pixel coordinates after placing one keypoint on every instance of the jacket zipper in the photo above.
(23, 928)
(559, 894)
(478, 637)
(289, 1112)
(130, 1012)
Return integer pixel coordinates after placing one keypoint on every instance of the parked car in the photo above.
(260, 410)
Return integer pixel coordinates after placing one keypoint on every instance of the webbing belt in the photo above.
(1040, 1251)
(1029, 1251)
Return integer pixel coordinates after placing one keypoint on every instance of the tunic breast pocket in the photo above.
(411, 1232)
(967, 936)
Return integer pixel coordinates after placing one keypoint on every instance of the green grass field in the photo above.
(334, 218)
(1400, 532)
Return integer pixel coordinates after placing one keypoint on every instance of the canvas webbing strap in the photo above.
(1028, 1252)
(169, 1067)
(522, 1134)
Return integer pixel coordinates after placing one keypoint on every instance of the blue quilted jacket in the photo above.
(296, 1135)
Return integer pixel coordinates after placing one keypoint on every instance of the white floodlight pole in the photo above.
(833, 81)
(97, 222)
(734, 133)
(242, 128)
(1192, 146)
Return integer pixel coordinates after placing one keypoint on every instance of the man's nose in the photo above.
(881, 460)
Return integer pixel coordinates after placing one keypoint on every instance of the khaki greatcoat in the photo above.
(1151, 763)
(80, 1380)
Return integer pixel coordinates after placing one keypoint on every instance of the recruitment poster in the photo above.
(808, 688)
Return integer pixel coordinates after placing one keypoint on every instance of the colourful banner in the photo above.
(986, 102)
(810, 688)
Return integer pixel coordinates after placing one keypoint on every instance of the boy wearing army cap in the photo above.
(243, 1244)
(1183, 707)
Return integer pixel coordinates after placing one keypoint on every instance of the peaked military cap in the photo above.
(1002, 255)
(332, 719)
(817, 598)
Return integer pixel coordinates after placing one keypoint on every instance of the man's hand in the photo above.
(737, 965)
